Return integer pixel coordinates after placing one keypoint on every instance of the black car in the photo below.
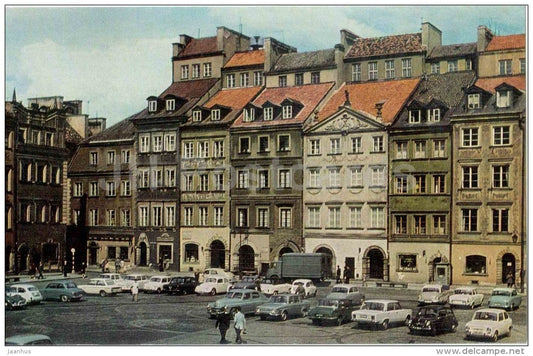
(433, 319)
(15, 301)
(180, 285)
(247, 282)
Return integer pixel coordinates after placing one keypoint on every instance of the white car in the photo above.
(115, 277)
(100, 286)
(489, 324)
(274, 287)
(347, 291)
(140, 278)
(26, 291)
(465, 297)
(308, 287)
(156, 283)
(216, 272)
(213, 285)
(381, 312)
(434, 294)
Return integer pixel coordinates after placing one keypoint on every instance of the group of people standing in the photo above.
(345, 274)
(223, 324)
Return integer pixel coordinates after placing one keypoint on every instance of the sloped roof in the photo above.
(309, 95)
(378, 46)
(247, 58)
(454, 50)
(199, 46)
(305, 60)
(189, 89)
(71, 135)
(123, 130)
(365, 96)
(498, 43)
(489, 84)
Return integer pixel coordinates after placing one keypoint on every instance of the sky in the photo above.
(113, 58)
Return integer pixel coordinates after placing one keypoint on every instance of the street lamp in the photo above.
(73, 250)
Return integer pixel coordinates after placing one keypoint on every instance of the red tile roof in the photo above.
(364, 96)
(233, 98)
(190, 88)
(499, 43)
(248, 58)
(371, 47)
(309, 95)
(489, 84)
(199, 46)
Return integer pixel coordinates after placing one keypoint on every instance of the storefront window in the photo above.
(407, 263)
(191, 253)
(476, 264)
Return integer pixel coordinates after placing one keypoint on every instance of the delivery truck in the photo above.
(290, 266)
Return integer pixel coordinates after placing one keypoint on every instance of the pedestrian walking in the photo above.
(240, 325)
(117, 265)
(510, 280)
(83, 270)
(258, 284)
(223, 321)
(134, 292)
(64, 268)
(346, 274)
(40, 270)
(339, 280)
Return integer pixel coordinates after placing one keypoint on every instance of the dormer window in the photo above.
(268, 113)
(474, 101)
(249, 115)
(197, 116)
(152, 105)
(287, 112)
(215, 114)
(434, 114)
(503, 98)
(415, 116)
(171, 104)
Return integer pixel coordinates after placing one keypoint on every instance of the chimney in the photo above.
(348, 38)
(339, 63)
(256, 45)
(379, 107)
(484, 35)
(183, 42)
(431, 37)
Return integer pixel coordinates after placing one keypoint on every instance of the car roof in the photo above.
(25, 338)
(345, 285)
(465, 288)
(504, 289)
(99, 279)
(242, 290)
(490, 310)
(301, 280)
(381, 301)
(23, 285)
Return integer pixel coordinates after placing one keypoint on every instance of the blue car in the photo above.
(64, 291)
(505, 298)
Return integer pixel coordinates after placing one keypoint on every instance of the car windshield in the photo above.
(132, 278)
(430, 289)
(485, 316)
(211, 280)
(32, 289)
(372, 306)
(155, 279)
(71, 285)
(426, 312)
(11, 290)
(278, 299)
(339, 290)
(328, 303)
(236, 295)
(501, 292)
(463, 291)
(298, 284)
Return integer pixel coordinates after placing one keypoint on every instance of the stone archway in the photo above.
(500, 271)
(246, 258)
(330, 261)
(285, 250)
(508, 266)
(375, 264)
(217, 254)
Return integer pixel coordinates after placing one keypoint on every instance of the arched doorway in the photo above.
(284, 251)
(143, 259)
(50, 252)
(23, 258)
(246, 258)
(375, 258)
(93, 253)
(329, 260)
(508, 266)
(218, 254)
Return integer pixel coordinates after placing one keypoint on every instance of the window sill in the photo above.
(334, 154)
(355, 153)
(509, 145)
(475, 274)
(407, 270)
(377, 152)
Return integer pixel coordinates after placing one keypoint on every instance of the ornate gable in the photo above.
(347, 120)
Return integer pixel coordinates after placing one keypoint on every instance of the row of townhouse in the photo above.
(393, 155)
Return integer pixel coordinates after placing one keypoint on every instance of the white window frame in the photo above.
(285, 218)
(188, 216)
(188, 149)
(93, 158)
(144, 143)
(230, 80)
(218, 216)
(378, 176)
(287, 112)
(356, 72)
(378, 144)
(263, 217)
(389, 69)
(195, 71)
(218, 148)
(241, 140)
(314, 178)
(439, 148)
(314, 147)
(356, 217)
(110, 157)
(288, 147)
(357, 144)
(185, 71)
(258, 79)
(157, 143)
(243, 179)
(407, 68)
(170, 215)
(401, 149)
(215, 115)
(157, 215)
(152, 105)
(453, 65)
(501, 135)
(263, 181)
(93, 189)
(245, 80)
(170, 104)
(334, 175)
(434, 115)
(170, 142)
(334, 217)
(208, 70)
(420, 149)
(111, 218)
(125, 188)
(203, 216)
(170, 177)
(284, 178)
(203, 149)
(313, 217)
(125, 156)
(77, 191)
(474, 101)
(197, 115)
(470, 137)
(356, 176)
(377, 217)
(218, 181)
(372, 70)
(144, 178)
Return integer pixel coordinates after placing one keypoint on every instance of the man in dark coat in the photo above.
(223, 321)
(339, 274)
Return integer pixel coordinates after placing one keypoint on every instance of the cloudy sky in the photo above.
(113, 58)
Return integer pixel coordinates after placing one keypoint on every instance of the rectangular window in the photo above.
(93, 158)
(262, 217)
(207, 70)
(378, 176)
(242, 217)
(356, 217)
(299, 79)
(401, 185)
(468, 64)
(244, 145)
(187, 216)
(243, 179)
(334, 177)
(372, 70)
(258, 79)
(314, 147)
(218, 216)
(356, 72)
(356, 176)
(110, 157)
(249, 115)
(93, 217)
(170, 142)
(357, 145)
(389, 69)
(474, 101)
(407, 69)
(313, 217)
(407, 263)
(439, 224)
(420, 149)
(125, 189)
(377, 144)
(203, 216)
(126, 156)
(185, 72)
(245, 79)
(453, 66)
(500, 176)
(125, 217)
(287, 112)
(203, 149)
(500, 220)
(420, 224)
(157, 216)
(401, 150)
(434, 115)
(470, 137)
(282, 80)
(335, 146)
(170, 216)
(197, 116)
(439, 148)
(435, 68)
(470, 177)
(420, 184)
(144, 144)
(505, 67)
(157, 141)
(144, 178)
(195, 71)
(284, 143)
(522, 65)
(314, 178)
(218, 149)
(268, 113)
(285, 218)
(93, 189)
(469, 221)
(171, 105)
(263, 179)
(377, 217)
(204, 182)
(415, 116)
(501, 135)
(215, 115)
(157, 181)
(170, 177)
(110, 217)
(188, 183)
(400, 224)
(230, 80)
(284, 178)
(78, 189)
(503, 98)
(315, 78)
(334, 220)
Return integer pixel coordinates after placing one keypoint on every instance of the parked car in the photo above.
(101, 287)
(26, 291)
(283, 306)
(213, 285)
(309, 289)
(465, 297)
(332, 310)
(247, 282)
(216, 272)
(64, 291)
(433, 319)
(489, 324)
(247, 299)
(180, 285)
(14, 301)
(347, 291)
(505, 298)
(381, 312)
(29, 340)
(273, 286)
(156, 284)
(434, 294)
(118, 279)
(129, 279)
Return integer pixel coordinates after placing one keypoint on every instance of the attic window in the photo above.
(434, 114)
(287, 111)
(503, 98)
(152, 106)
(474, 101)
(215, 114)
(171, 104)
(268, 113)
(415, 116)
(197, 116)
(249, 115)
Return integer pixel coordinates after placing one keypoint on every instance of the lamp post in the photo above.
(72, 250)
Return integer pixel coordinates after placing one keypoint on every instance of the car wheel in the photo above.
(385, 324)
(275, 292)
(284, 316)
(495, 336)
(213, 291)
(102, 293)
(509, 332)
(304, 312)
(407, 320)
(433, 330)
(64, 298)
(232, 313)
(453, 328)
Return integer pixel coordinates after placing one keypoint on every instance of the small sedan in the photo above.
(467, 297)
(283, 306)
(180, 285)
(64, 291)
(489, 324)
(26, 291)
(247, 299)
(505, 298)
(271, 286)
(433, 319)
(14, 301)
(304, 287)
(131, 278)
(213, 286)
(331, 310)
(101, 287)
(347, 291)
(156, 284)
(29, 340)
